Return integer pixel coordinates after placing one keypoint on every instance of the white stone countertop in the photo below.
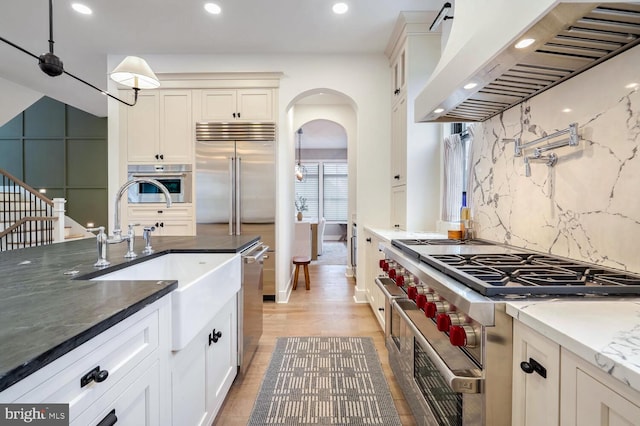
(394, 234)
(604, 333)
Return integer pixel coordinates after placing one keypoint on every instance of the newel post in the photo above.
(58, 225)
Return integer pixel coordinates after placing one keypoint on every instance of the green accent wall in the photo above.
(62, 149)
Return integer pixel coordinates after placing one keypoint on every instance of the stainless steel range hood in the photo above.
(569, 38)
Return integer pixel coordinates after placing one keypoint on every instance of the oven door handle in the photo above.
(460, 384)
(157, 175)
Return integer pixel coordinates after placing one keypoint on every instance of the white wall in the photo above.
(362, 78)
(15, 99)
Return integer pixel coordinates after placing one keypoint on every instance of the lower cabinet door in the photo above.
(204, 370)
(590, 397)
(128, 403)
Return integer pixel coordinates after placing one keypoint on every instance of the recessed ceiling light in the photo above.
(340, 8)
(438, 110)
(212, 8)
(81, 8)
(470, 85)
(566, 110)
(525, 42)
(632, 86)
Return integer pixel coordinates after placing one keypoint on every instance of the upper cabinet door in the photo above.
(255, 105)
(176, 126)
(142, 131)
(237, 105)
(219, 105)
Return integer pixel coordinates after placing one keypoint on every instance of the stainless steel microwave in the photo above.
(177, 178)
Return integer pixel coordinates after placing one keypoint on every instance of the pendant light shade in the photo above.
(135, 72)
(300, 170)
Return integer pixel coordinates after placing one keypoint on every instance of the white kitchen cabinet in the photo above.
(372, 270)
(413, 52)
(237, 105)
(535, 398)
(159, 128)
(399, 142)
(399, 207)
(177, 220)
(204, 370)
(129, 355)
(590, 397)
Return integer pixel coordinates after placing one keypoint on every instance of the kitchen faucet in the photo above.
(117, 232)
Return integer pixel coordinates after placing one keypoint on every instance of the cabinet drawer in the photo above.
(160, 211)
(134, 401)
(118, 355)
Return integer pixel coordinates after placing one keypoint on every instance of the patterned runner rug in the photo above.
(324, 381)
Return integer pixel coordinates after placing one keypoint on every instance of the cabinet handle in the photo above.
(95, 375)
(381, 309)
(159, 224)
(238, 115)
(214, 336)
(234, 115)
(368, 240)
(109, 419)
(396, 226)
(157, 157)
(395, 92)
(162, 156)
(533, 365)
(397, 177)
(160, 211)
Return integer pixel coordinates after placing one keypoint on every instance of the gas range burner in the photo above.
(532, 274)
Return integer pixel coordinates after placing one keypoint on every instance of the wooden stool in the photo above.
(304, 261)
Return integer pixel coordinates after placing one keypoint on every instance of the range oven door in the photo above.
(442, 385)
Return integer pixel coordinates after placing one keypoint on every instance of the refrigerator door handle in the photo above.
(231, 193)
(238, 195)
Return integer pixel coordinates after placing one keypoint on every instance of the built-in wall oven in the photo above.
(177, 178)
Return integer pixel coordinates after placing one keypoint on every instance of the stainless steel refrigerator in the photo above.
(236, 185)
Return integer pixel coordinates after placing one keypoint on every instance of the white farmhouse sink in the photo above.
(206, 281)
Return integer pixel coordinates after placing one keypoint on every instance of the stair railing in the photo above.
(27, 218)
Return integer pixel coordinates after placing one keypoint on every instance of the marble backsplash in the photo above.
(586, 207)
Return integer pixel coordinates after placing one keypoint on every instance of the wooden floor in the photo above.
(327, 309)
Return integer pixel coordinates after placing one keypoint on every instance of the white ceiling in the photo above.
(180, 27)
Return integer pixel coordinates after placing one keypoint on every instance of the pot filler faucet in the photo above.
(117, 237)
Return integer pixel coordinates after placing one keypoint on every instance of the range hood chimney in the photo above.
(570, 37)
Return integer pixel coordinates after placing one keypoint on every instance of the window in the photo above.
(335, 192)
(326, 191)
(457, 170)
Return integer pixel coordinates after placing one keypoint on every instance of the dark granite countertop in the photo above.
(46, 312)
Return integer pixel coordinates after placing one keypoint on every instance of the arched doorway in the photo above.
(329, 123)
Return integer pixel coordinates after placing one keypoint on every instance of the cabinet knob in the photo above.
(95, 375)
(162, 156)
(234, 115)
(533, 366)
(214, 336)
(397, 177)
(109, 420)
(368, 240)
(238, 115)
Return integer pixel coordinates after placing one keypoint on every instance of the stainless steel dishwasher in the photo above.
(250, 304)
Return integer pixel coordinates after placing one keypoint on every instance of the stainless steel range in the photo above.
(447, 332)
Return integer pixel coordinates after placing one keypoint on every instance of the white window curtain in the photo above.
(458, 170)
(335, 191)
(454, 156)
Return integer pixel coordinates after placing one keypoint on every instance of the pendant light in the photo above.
(300, 171)
(132, 71)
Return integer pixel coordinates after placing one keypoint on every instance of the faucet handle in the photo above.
(101, 240)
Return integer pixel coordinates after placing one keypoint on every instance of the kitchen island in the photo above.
(48, 306)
